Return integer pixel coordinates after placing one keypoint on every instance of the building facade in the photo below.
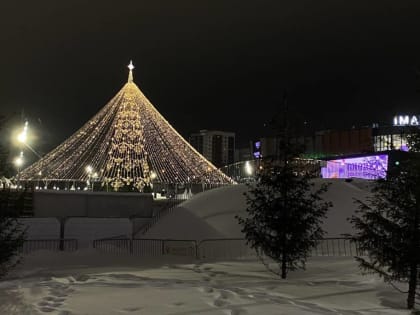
(216, 146)
(328, 143)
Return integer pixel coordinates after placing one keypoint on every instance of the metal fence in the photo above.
(232, 248)
(227, 248)
(336, 247)
(147, 247)
(238, 249)
(67, 245)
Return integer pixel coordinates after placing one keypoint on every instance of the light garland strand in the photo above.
(126, 142)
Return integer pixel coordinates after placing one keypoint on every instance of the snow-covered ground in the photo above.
(91, 283)
(88, 282)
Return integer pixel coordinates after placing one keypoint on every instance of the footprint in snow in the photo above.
(225, 294)
(220, 303)
(59, 293)
(178, 303)
(49, 304)
(54, 299)
(131, 309)
(238, 311)
(43, 303)
(82, 278)
(47, 309)
(52, 302)
(206, 289)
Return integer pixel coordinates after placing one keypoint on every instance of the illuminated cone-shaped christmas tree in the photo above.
(127, 143)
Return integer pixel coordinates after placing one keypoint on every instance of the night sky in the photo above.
(215, 64)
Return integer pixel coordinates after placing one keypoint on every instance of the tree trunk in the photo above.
(283, 267)
(412, 283)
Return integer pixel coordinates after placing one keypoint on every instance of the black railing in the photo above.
(225, 248)
(67, 245)
(339, 246)
(147, 247)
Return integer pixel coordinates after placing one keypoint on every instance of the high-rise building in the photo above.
(217, 146)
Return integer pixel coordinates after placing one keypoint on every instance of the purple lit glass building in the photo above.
(366, 167)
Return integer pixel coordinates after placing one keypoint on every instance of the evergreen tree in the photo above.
(12, 234)
(5, 167)
(388, 224)
(285, 210)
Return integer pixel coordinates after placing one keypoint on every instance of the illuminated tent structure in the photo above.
(128, 143)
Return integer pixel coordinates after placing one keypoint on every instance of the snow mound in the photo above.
(211, 214)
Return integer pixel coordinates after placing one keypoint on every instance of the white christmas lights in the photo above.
(127, 143)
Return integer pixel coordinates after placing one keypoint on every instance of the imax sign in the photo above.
(407, 120)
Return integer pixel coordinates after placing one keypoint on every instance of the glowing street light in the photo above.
(19, 160)
(248, 168)
(23, 136)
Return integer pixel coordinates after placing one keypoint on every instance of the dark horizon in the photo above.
(211, 65)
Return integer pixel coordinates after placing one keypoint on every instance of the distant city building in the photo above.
(217, 146)
(359, 152)
(326, 143)
(364, 152)
(243, 154)
(341, 142)
(391, 138)
(322, 143)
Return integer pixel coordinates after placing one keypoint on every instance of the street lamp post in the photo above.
(18, 163)
(23, 137)
(248, 169)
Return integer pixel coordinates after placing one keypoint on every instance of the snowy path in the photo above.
(116, 286)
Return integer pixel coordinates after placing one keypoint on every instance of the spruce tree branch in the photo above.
(396, 288)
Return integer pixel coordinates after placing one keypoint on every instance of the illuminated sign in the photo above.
(407, 120)
(256, 150)
(367, 167)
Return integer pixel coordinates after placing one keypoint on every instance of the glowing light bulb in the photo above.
(131, 66)
(89, 169)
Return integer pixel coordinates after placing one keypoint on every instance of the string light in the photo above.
(131, 144)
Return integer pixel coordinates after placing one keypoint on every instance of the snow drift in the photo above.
(211, 214)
